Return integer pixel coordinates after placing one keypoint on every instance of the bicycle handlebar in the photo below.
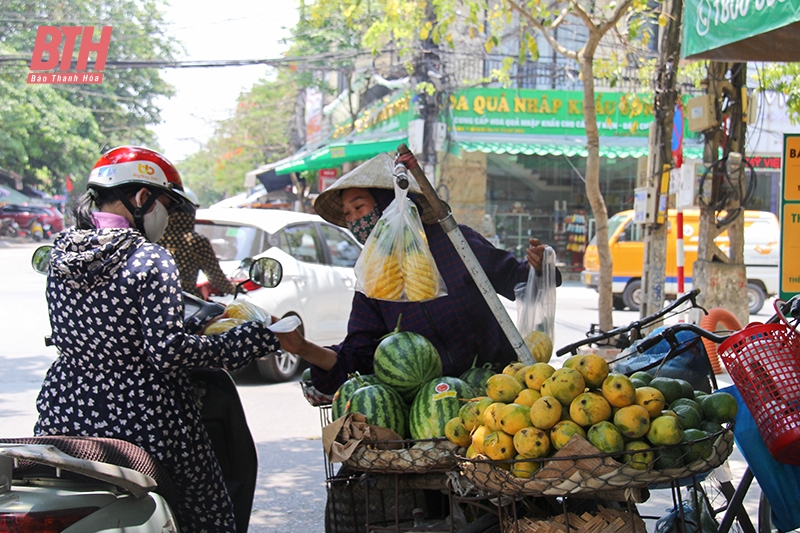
(669, 333)
(690, 296)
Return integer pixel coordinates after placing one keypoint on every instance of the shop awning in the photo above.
(334, 154)
(741, 31)
(608, 148)
(12, 196)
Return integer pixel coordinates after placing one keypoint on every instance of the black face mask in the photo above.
(362, 227)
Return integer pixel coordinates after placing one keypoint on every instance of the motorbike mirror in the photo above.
(41, 259)
(266, 272)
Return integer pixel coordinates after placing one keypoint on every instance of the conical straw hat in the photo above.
(376, 173)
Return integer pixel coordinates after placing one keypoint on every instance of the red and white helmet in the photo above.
(134, 164)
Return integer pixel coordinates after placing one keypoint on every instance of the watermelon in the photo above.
(405, 361)
(347, 389)
(436, 403)
(476, 377)
(382, 406)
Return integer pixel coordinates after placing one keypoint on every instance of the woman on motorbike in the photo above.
(116, 310)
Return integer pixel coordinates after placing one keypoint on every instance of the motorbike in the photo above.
(84, 484)
(9, 227)
(34, 229)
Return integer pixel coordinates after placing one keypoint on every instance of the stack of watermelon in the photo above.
(407, 393)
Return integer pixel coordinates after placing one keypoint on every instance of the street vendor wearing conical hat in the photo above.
(460, 325)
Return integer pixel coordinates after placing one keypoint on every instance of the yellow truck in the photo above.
(626, 239)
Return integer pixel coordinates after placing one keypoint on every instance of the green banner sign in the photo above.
(711, 24)
(390, 114)
(528, 111)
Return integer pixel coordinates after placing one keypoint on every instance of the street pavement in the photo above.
(290, 495)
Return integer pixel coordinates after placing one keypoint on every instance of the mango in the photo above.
(651, 399)
(594, 370)
(514, 417)
(545, 412)
(536, 374)
(456, 433)
(606, 437)
(563, 431)
(633, 421)
(532, 442)
(566, 385)
(589, 408)
(503, 388)
(618, 390)
(499, 446)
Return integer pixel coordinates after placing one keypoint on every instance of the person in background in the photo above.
(192, 251)
(460, 325)
(116, 313)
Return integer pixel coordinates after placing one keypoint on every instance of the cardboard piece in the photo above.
(341, 437)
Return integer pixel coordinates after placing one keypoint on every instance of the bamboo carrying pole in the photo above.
(450, 227)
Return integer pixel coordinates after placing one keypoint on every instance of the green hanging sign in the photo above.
(529, 111)
(736, 29)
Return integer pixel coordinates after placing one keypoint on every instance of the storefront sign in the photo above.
(390, 114)
(527, 111)
(327, 177)
(771, 163)
(790, 218)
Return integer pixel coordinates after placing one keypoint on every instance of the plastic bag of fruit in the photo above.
(246, 311)
(222, 325)
(396, 263)
(536, 308)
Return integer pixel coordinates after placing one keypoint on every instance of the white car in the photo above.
(318, 279)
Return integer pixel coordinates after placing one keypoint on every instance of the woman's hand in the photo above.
(535, 254)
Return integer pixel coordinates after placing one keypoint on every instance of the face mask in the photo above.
(362, 227)
(155, 222)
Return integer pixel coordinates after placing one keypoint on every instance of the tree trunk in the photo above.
(598, 204)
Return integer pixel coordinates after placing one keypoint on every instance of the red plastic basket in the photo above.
(763, 361)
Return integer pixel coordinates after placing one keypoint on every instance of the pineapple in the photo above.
(421, 284)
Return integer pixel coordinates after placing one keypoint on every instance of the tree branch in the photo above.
(566, 52)
(583, 15)
(619, 11)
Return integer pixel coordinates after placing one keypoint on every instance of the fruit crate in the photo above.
(581, 470)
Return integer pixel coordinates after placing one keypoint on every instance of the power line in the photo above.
(324, 58)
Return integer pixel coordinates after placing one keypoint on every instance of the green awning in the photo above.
(334, 154)
(741, 31)
(565, 149)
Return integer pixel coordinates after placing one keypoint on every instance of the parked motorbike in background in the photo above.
(9, 227)
(34, 230)
(86, 484)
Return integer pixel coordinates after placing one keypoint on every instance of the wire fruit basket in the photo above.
(404, 457)
(581, 470)
(765, 359)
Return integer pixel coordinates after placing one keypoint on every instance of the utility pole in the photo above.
(429, 62)
(660, 160)
(722, 277)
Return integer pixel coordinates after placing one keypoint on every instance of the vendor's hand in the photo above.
(408, 159)
(535, 254)
(292, 341)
